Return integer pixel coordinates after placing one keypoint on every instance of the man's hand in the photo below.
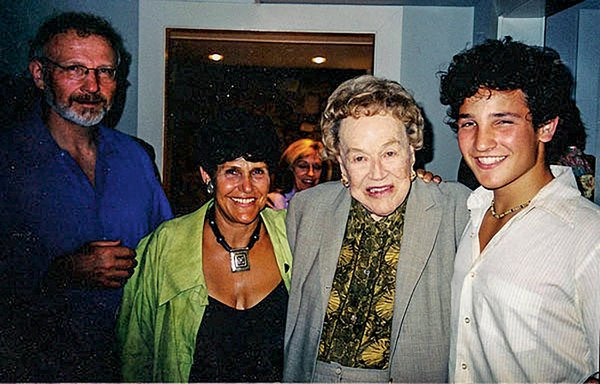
(103, 264)
(99, 264)
(427, 176)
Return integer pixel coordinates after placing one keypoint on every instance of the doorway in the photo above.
(269, 73)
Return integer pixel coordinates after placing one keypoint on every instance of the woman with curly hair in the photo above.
(207, 302)
(370, 296)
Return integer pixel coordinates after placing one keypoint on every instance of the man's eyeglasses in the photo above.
(79, 72)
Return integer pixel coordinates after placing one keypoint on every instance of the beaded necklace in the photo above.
(507, 212)
(238, 257)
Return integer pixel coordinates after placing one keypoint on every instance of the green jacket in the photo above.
(164, 300)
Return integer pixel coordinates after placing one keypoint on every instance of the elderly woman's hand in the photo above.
(428, 177)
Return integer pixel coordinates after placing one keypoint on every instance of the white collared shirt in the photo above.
(527, 308)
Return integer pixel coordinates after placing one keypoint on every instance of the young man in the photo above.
(75, 199)
(525, 292)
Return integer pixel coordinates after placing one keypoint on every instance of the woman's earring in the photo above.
(210, 187)
(345, 182)
(413, 175)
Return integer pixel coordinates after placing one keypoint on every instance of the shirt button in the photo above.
(353, 318)
(367, 272)
(467, 320)
(338, 371)
(472, 274)
(463, 366)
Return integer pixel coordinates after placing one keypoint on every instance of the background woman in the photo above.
(208, 299)
(373, 256)
(301, 166)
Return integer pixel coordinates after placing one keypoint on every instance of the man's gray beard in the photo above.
(88, 118)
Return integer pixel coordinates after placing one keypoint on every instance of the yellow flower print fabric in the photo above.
(358, 323)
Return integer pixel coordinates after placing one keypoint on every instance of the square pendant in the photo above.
(239, 260)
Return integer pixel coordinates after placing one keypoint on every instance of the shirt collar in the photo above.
(555, 197)
(39, 133)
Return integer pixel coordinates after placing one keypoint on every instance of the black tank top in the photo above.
(241, 345)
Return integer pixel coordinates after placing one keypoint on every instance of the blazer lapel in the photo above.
(421, 224)
(335, 218)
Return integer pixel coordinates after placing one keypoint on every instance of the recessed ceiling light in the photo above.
(318, 59)
(215, 57)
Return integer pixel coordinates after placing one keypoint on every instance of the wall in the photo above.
(426, 51)
(20, 20)
(526, 30)
(485, 21)
(562, 31)
(573, 33)
(588, 83)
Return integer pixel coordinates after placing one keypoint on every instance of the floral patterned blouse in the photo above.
(358, 323)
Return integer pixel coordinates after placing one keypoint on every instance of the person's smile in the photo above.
(380, 191)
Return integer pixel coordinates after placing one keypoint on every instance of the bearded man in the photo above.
(75, 198)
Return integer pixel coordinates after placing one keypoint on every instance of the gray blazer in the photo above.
(434, 221)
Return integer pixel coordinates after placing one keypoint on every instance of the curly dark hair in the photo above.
(235, 133)
(504, 65)
(84, 24)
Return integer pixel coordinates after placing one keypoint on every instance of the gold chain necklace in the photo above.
(508, 212)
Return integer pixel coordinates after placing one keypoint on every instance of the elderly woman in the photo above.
(373, 256)
(301, 165)
(207, 301)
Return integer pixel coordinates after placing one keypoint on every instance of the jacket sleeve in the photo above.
(136, 321)
(291, 223)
